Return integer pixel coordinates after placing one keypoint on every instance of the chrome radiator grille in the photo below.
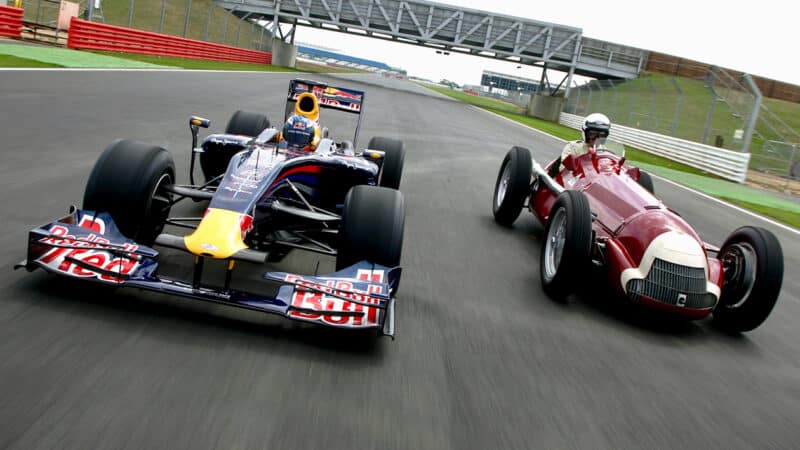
(674, 285)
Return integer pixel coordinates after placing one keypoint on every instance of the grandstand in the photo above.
(338, 59)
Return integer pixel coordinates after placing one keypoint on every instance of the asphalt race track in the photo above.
(482, 358)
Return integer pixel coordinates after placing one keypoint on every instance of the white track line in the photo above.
(721, 202)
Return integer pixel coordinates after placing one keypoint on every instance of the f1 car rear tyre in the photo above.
(567, 246)
(646, 181)
(752, 263)
(128, 181)
(373, 220)
(512, 186)
(394, 157)
(244, 123)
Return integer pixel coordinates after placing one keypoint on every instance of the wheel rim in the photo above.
(502, 184)
(739, 264)
(554, 245)
(158, 206)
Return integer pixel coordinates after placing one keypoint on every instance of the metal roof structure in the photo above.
(453, 29)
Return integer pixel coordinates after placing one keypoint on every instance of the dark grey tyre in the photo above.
(128, 181)
(752, 263)
(567, 245)
(646, 181)
(247, 123)
(244, 123)
(512, 186)
(373, 220)
(395, 155)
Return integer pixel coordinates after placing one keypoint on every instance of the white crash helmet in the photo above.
(596, 125)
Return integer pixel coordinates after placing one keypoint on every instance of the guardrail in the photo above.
(11, 22)
(97, 36)
(723, 163)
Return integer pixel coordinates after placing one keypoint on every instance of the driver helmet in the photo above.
(596, 126)
(300, 133)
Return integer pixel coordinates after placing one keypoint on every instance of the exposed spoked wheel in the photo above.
(244, 123)
(129, 182)
(393, 160)
(512, 186)
(752, 263)
(567, 245)
(373, 221)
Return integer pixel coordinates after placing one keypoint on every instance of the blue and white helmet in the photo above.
(299, 133)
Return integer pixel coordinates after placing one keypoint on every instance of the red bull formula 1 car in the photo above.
(263, 200)
(600, 213)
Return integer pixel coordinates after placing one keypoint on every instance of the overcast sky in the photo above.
(759, 38)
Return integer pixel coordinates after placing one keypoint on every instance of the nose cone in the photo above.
(219, 234)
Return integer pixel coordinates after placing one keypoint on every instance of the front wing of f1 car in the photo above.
(89, 246)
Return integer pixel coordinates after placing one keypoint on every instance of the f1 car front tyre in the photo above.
(393, 160)
(646, 181)
(512, 186)
(373, 220)
(567, 246)
(128, 181)
(244, 123)
(752, 263)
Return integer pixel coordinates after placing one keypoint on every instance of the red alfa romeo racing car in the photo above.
(600, 212)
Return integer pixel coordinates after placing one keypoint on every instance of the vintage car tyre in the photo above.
(512, 186)
(752, 261)
(128, 182)
(373, 220)
(394, 158)
(241, 123)
(567, 245)
(646, 181)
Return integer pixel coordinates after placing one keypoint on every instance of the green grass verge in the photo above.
(14, 61)
(196, 64)
(788, 217)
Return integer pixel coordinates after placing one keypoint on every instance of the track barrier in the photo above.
(11, 22)
(85, 35)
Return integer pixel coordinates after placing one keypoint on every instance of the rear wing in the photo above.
(343, 99)
(328, 97)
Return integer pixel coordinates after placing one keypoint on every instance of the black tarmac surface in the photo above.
(482, 358)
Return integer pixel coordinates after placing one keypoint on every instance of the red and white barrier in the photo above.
(87, 35)
(11, 22)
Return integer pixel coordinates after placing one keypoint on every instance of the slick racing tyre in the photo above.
(393, 160)
(567, 245)
(214, 163)
(372, 226)
(129, 182)
(247, 123)
(646, 181)
(512, 186)
(752, 264)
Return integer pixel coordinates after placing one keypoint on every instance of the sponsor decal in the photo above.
(321, 301)
(92, 250)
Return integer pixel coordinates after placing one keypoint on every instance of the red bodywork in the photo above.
(627, 218)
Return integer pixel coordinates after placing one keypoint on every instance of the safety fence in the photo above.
(192, 19)
(727, 164)
(97, 36)
(11, 21)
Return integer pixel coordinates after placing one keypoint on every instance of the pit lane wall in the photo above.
(11, 21)
(723, 163)
(85, 35)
